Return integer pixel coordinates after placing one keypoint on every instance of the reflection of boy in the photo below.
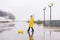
(30, 36)
(31, 23)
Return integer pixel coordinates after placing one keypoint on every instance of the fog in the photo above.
(22, 9)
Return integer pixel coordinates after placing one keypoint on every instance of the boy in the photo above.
(31, 23)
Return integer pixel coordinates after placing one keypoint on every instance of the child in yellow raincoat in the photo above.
(31, 23)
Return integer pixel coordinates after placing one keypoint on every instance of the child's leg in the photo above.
(32, 30)
(28, 29)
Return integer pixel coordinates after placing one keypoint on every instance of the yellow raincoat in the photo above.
(31, 22)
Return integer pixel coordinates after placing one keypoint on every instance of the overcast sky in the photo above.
(22, 9)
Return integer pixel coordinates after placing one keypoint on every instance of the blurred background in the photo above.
(15, 14)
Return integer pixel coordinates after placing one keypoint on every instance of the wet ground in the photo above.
(10, 32)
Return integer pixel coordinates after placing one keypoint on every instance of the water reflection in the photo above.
(5, 27)
(11, 25)
(30, 35)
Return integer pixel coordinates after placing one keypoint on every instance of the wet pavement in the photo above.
(11, 32)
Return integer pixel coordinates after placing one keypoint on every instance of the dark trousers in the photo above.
(31, 28)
